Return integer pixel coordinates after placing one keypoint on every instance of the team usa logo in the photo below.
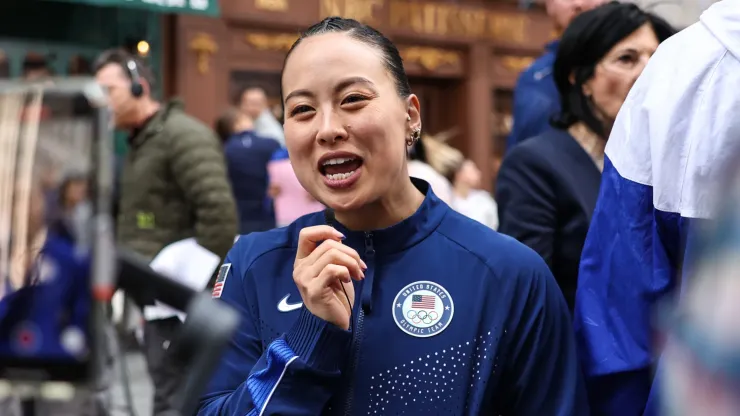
(423, 309)
(223, 273)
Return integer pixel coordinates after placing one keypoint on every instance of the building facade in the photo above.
(462, 58)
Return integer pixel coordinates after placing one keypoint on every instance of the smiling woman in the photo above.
(379, 272)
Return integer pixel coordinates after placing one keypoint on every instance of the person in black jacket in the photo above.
(547, 186)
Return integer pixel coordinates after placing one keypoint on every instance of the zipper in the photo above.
(357, 333)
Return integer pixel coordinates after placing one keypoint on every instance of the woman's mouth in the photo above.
(341, 172)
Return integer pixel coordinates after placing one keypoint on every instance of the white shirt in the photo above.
(267, 126)
(478, 205)
(440, 185)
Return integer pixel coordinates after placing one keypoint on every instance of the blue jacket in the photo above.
(536, 98)
(451, 318)
(34, 318)
(247, 156)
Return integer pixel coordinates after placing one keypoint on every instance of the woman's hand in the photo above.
(323, 273)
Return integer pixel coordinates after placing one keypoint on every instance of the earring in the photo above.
(414, 137)
(408, 117)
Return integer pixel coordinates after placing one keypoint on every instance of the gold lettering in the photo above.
(417, 18)
(443, 19)
(429, 20)
(452, 20)
(272, 5)
(398, 13)
(360, 10)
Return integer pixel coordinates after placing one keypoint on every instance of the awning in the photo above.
(206, 7)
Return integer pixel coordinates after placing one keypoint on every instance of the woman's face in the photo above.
(345, 124)
(618, 70)
(469, 174)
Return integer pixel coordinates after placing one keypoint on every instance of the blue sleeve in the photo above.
(295, 375)
(543, 377)
(531, 113)
(527, 202)
(280, 153)
(630, 259)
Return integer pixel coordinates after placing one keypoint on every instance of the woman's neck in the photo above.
(591, 143)
(389, 210)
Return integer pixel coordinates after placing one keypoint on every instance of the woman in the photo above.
(547, 186)
(247, 156)
(471, 201)
(389, 301)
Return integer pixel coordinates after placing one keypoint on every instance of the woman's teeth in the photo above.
(340, 176)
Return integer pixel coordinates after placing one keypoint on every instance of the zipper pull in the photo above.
(369, 248)
(367, 288)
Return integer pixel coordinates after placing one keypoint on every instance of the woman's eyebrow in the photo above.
(339, 87)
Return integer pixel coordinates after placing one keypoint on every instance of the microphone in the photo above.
(208, 329)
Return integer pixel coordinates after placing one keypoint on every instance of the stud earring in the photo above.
(414, 137)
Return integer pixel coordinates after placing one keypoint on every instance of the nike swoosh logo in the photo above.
(284, 306)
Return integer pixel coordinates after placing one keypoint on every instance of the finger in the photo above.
(337, 257)
(333, 274)
(309, 237)
(333, 244)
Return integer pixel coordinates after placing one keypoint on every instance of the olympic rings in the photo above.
(422, 316)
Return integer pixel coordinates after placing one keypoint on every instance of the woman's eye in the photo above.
(353, 99)
(300, 109)
(626, 59)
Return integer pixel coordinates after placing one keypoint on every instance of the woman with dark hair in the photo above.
(353, 310)
(547, 186)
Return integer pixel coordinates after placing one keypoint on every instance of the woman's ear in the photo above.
(413, 111)
(586, 89)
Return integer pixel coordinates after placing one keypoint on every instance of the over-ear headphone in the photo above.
(137, 90)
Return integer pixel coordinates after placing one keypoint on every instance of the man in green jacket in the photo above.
(173, 186)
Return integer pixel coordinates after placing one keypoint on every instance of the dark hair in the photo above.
(588, 38)
(224, 126)
(121, 57)
(365, 34)
(418, 152)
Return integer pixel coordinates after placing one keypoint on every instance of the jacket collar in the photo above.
(155, 125)
(400, 236)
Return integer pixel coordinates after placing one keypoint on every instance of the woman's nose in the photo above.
(331, 129)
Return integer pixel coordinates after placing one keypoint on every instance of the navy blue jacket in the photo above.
(247, 156)
(451, 318)
(536, 98)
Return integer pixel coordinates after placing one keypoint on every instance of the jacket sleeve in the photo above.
(531, 114)
(629, 260)
(526, 201)
(543, 376)
(295, 375)
(198, 166)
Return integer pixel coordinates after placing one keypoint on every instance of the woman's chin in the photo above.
(346, 201)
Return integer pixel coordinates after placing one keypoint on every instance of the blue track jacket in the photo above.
(451, 318)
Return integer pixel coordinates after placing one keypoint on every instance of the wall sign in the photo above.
(453, 20)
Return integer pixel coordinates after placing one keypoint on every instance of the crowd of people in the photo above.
(373, 275)
(334, 236)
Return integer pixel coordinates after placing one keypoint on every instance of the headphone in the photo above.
(137, 90)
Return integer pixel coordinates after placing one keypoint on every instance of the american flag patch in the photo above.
(423, 301)
(223, 273)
